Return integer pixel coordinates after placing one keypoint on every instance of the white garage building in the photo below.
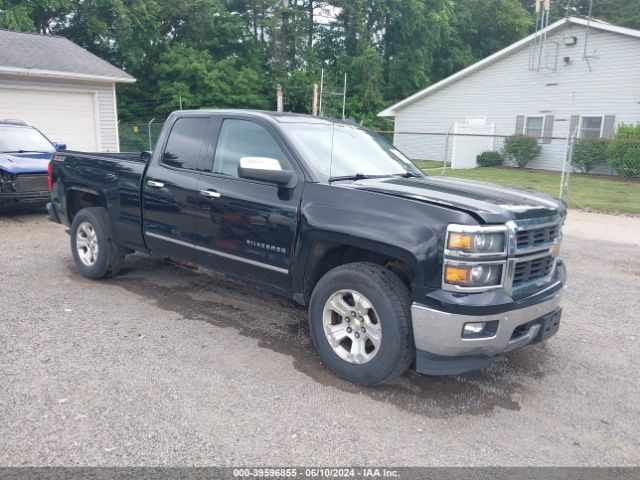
(60, 88)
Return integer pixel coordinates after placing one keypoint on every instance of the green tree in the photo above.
(479, 28)
(204, 83)
(414, 33)
(33, 15)
(625, 13)
(16, 16)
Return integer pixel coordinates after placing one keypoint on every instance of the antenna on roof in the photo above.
(585, 56)
(535, 38)
(543, 8)
(543, 42)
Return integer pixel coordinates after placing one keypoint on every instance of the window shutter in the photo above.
(573, 125)
(548, 128)
(519, 124)
(609, 126)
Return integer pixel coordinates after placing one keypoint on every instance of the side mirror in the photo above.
(60, 146)
(264, 169)
(145, 156)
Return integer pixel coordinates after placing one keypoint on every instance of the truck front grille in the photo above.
(530, 270)
(31, 183)
(537, 237)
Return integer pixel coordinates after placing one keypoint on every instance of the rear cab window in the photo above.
(184, 143)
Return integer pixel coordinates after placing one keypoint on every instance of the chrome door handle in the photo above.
(152, 183)
(209, 193)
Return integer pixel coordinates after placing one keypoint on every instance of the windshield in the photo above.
(23, 139)
(343, 151)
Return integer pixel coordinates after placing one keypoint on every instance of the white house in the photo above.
(60, 88)
(576, 76)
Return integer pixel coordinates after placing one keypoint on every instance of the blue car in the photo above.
(24, 159)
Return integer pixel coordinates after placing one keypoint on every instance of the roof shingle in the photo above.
(56, 56)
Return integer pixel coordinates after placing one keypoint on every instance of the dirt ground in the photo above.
(162, 366)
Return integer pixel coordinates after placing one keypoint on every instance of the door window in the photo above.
(242, 138)
(185, 140)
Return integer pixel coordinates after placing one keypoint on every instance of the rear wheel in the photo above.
(360, 323)
(95, 254)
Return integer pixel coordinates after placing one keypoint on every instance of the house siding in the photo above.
(106, 116)
(609, 84)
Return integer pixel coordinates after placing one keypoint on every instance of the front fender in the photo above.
(408, 230)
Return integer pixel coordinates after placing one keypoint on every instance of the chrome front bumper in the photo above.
(440, 333)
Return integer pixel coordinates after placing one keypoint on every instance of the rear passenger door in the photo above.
(247, 227)
(169, 190)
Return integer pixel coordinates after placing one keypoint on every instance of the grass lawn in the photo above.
(587, 192)
(428, 164)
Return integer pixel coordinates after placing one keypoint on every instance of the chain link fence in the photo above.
(588, 173)
(138, 136)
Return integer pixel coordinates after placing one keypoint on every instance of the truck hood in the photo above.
(28, 162)
(491, 203)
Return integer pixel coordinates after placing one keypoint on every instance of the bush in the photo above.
(520, 150)
(490, 158)
(623, 153)
(587, 154)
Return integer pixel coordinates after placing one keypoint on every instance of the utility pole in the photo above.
(279, 103)
(180, 98)
(314, 100)
(344, 95)
(321, 85)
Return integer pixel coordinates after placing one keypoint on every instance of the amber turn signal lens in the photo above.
(460, 241)
(457, 275)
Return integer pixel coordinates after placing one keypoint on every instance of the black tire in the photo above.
(109, 257)
(391, 301)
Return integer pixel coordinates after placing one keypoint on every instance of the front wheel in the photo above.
(360, 323)
(95, 255)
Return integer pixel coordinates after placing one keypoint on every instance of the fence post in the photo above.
(149, 131)
(446, 152)
(566, 167)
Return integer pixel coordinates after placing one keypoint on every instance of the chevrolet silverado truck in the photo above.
(397, 269)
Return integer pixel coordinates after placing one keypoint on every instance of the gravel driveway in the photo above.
(162, 366)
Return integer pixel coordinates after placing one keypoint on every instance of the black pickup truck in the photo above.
(397, 269)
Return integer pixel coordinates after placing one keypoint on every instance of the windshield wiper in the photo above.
(25, 151)
(355, 176)
(408, 175)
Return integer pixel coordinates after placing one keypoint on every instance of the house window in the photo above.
(590, 127)
(533, 126)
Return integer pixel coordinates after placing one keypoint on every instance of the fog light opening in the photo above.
(480, 329)
(474, 328)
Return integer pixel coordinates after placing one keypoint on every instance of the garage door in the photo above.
(65, 117)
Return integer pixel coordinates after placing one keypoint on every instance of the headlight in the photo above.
(470, 241)
(473, 275)
(475, 257)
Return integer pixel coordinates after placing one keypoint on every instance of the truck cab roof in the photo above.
(280, 117)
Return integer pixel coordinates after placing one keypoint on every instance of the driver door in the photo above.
(246, 227)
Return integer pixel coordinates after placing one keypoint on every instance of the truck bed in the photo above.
(115, 178)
